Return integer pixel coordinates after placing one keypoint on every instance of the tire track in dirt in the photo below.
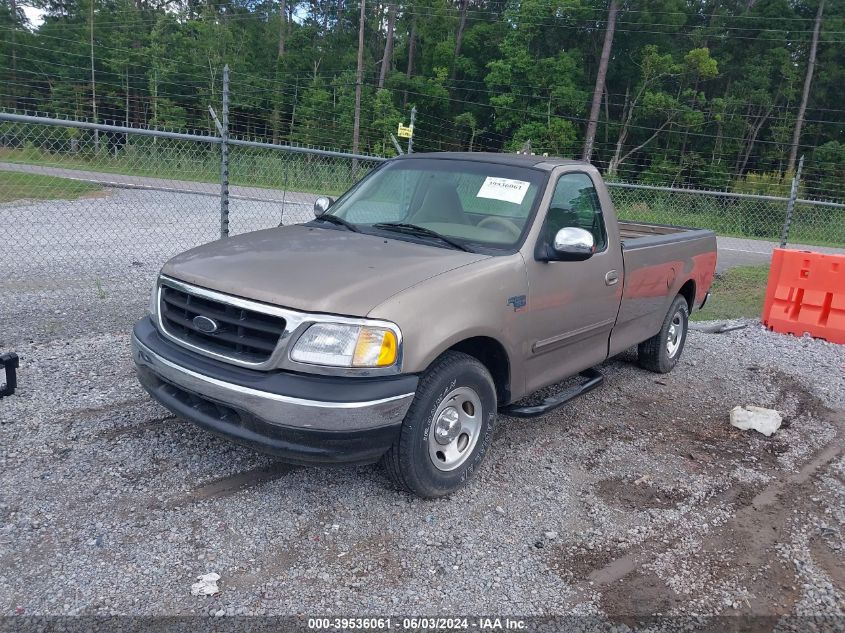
(754, 528)
(228, 485)
(134, 430)
(828, 560)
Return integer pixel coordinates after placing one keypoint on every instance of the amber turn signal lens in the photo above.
(376, 347)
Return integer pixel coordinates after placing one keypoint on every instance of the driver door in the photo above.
(573, 304)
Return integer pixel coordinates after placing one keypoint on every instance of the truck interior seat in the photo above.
(440, 204)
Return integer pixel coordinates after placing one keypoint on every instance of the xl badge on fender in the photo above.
(518, 302)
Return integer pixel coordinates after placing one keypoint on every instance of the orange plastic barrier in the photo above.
(806, 293)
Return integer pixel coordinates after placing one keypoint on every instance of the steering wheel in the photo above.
(495, 222)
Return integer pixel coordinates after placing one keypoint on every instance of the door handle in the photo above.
(611, 278)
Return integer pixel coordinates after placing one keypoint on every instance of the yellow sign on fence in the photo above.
(405, 132)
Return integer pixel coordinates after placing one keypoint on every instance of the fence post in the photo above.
(411, 138)
(224, 158)
(790, 205)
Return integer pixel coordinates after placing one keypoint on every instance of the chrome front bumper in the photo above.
(275, 408)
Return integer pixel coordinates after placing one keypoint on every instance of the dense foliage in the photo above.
(698, 92)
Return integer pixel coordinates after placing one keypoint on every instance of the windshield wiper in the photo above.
(414, 229)
(334, 219)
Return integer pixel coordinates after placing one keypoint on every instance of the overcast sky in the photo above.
(35, 16)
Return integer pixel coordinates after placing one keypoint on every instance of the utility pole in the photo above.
(283, 27)
(126, 113)
(590, 137)
(293, 109)
(790, 205)
(805, 95)
(155, 100)
(459, 37)
(14, 87)
(224, 158)
(411, 46)
(280, 53)
(387, 59)
(359, 75)
(93, 78)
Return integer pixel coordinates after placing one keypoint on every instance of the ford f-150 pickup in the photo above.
(439, 290)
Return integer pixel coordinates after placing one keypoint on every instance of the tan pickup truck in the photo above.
(439, 290)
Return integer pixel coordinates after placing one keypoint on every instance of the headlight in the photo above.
(340, 345)
(152, 306)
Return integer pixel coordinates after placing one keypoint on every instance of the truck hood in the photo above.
(314, 269)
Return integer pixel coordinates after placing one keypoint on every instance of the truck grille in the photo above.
(244, 335)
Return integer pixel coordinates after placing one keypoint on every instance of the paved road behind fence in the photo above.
(743, 252)
(124, 181)
(141, 221)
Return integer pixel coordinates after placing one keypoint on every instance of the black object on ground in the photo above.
(9, 362)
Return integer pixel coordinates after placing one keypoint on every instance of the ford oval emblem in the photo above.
(205, 325)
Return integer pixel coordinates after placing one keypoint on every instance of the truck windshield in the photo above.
(469, 202)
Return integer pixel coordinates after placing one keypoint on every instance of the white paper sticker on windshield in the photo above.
(503, 189)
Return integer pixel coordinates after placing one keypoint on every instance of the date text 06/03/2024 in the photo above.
(417, 624)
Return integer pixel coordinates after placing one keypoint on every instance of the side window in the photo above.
(576, 203)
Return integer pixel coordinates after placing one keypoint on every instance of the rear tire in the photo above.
(447, 430)
(661, 352)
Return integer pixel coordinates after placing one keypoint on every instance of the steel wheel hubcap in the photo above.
(455, 428)
(676, 334)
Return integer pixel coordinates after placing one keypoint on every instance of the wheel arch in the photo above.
(493, 355)
(687, 291)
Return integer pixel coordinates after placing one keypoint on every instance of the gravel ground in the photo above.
(639, 498)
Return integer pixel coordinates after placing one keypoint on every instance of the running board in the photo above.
(593, 380)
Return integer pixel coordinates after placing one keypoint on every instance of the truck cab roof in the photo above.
(546, 163)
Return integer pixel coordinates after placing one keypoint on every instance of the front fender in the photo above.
(481, 299)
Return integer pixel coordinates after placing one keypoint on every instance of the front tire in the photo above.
(661, 352)
(447, 430)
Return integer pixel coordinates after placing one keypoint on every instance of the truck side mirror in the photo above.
(321, 205)
(571, 244)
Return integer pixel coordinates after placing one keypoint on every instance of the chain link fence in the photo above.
(96, 209)
(94, 200)
(754, 222)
